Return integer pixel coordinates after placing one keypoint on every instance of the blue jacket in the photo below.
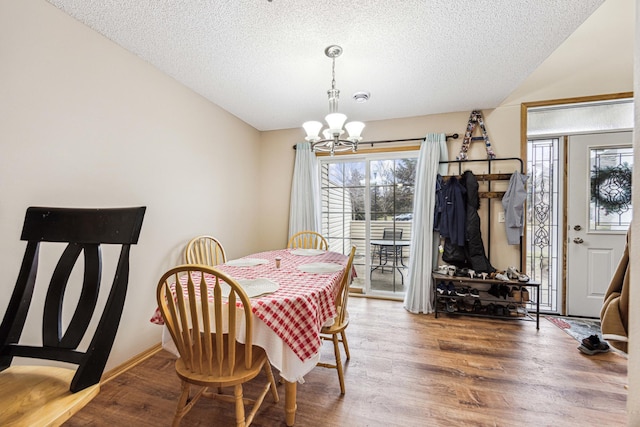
(452, 217)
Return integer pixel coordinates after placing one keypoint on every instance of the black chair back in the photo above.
(392, 234)
(84, 231)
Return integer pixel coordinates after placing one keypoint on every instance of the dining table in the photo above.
(294, 298)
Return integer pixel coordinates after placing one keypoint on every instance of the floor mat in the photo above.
(576, 327)
(580, 328)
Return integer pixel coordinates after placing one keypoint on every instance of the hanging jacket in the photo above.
(452, 222)
(437, 211)
(452, 217)
(513, 204)
(474, 247)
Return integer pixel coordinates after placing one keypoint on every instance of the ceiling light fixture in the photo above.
(331, 143)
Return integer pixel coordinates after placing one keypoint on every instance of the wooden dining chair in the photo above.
(308, 240)
(336, 333)
(206, 332)
(49, 395)
(206, 250)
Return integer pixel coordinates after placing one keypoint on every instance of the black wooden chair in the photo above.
(49, 395)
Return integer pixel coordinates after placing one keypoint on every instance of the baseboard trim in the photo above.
(124, 367)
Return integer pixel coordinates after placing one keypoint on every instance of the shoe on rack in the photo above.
(491, 308)
(451, 290)
(504, 291)
(441, 288)
(494, 290)
(474, 293)
(467, 306)
(451, 307)
(501, 276)
(514, 274)
(461, 272)
(462, 292)
(525, 293)
(516, 294)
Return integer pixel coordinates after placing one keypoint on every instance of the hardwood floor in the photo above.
(407, 370)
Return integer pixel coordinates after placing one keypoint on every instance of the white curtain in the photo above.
(304, 209)
(423, 240)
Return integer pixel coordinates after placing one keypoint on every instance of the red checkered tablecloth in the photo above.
(302, 304)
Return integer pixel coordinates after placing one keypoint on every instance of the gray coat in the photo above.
(513, 204)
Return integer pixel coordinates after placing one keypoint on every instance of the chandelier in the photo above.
(332, 143)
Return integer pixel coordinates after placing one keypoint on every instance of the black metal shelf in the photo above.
(483, 285)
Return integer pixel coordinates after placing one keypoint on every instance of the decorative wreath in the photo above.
(611, 188)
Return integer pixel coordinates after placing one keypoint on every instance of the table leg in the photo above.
(290, 402)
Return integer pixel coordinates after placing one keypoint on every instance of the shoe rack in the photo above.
(505, 304)
(508, 307)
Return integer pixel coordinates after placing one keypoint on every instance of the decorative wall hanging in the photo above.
(475, 119)
(611, 188)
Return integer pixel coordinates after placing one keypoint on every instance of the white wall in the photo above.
(84, 123)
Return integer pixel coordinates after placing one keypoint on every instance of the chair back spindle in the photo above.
(206, 250)
(307, 240)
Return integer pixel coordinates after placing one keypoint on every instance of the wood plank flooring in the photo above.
(407, 370)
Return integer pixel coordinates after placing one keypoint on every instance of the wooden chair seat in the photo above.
(337, 327)
(226, 378)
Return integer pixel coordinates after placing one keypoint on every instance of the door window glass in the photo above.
(610, 189)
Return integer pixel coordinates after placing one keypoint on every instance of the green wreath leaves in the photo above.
(611, 188)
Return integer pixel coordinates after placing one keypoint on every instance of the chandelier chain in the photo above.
(333, 73)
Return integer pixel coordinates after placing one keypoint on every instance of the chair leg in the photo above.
(336, 350)
(237, 393)
(182, 409)
(272, 381)
(345, 344)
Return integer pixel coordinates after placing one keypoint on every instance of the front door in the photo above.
(598, 215)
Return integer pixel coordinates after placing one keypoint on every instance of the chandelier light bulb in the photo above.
(312, 128)
(335, 122)
(354, 129)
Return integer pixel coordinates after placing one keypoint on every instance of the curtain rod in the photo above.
(452, 136)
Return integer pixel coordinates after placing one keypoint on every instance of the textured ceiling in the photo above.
(264, 61)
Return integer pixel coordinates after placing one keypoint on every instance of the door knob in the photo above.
(578, 240)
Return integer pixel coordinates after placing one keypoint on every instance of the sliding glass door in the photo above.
(367, 201)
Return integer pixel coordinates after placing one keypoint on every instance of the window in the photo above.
(543, 219)
(610, 189)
